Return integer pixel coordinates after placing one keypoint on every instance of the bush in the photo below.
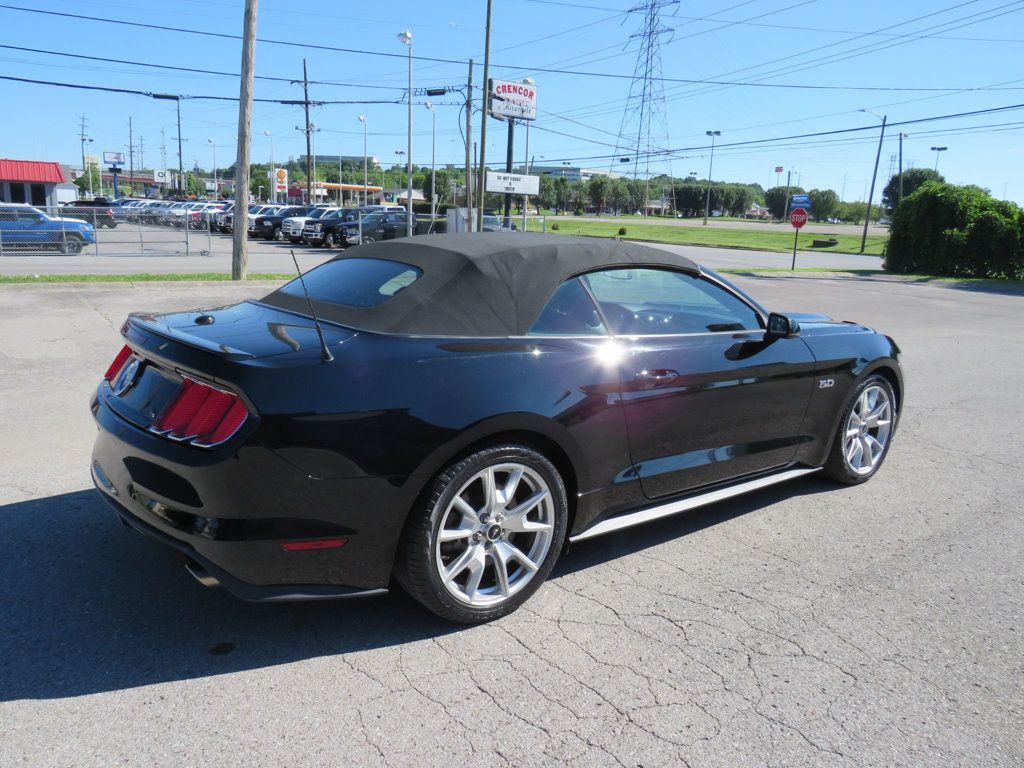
(943, 229)
(622, 231)
(555, 226)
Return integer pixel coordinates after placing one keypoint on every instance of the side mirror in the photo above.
(782, 327)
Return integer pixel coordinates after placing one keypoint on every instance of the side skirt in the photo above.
(647, 514)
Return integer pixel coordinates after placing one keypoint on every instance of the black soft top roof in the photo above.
(480, 284)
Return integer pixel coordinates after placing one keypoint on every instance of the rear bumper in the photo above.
(209, 574)
(231, 510)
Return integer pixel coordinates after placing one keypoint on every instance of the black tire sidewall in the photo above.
(836, 466)
(417, 569)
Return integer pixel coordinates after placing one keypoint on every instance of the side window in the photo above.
(6, 214)
(655, 301)
(569, 312)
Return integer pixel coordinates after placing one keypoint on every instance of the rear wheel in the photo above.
(277, 235)
(865, 432)
(368, 239)
(486, 535)
(329, 240)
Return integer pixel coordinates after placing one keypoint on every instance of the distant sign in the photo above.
(513, 183)
(798, 217)
(113, 158)
(161, 176)
(779, 169)
(211, 186)
(281, 179)
(800, 201)
(512, 99)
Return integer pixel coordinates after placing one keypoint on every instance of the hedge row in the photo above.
(943, 229)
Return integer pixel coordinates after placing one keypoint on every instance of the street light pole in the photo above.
(273, 170)
(215, 187)
(874, 176)
(405, 37)
(433, 158)
(902, 137)
(711, 165)
(362, 119)
(936, 150)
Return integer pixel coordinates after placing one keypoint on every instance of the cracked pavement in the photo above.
(806, 624)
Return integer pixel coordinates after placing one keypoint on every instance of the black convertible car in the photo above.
(461, 406)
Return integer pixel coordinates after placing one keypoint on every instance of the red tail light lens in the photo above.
(118, 364)
(201, 414)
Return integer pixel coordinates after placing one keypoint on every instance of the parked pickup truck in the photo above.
(98, 212)
(326, 230)
(269, 225)
(382, 225)
(292, 226)
(25, 227)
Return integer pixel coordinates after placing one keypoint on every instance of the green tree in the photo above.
(563, 197)
(912, 179)
(824, 203)
(546, 196)
(598, 191)
(83, 181)
(618, 195)
(777, 200)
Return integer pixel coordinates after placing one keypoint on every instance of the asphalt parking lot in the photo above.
(807, 624)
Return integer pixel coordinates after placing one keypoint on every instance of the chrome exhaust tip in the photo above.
(201, 575)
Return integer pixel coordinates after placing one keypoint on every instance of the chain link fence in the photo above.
(105, 231)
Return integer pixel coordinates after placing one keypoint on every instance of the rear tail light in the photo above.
(118, 364)
(201, 414)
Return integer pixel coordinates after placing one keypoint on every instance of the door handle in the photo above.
(656, 377)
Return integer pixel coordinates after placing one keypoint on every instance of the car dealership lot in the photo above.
(805, 624)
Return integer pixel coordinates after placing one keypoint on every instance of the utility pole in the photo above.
(163, 151)
(86, 170)
(902, 137)
(142, 161)
(181, 169)
(309, 135)
(469, 134)
(507, 221)
(871, 194)
(485, 87)
(240, 234)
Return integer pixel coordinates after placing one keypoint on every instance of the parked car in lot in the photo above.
(461, 406)
(97, 212)
(226, 222)
(327, 229)
(383, 225)
(292, 226)
(23, 227)
(493, 224)
(269, 225)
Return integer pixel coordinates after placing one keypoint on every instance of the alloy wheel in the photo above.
(494, 534)
(868, 429)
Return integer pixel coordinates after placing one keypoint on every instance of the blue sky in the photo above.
(847, 47)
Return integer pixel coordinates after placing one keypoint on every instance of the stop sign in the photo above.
(798, 217)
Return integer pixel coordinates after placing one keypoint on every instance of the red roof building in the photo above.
(31, 171)
(30, 181)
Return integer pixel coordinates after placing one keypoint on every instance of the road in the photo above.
(119, 254)
(804, 625)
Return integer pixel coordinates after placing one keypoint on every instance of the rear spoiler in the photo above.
(146, 323)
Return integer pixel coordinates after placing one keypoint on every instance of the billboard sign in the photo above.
(800, 201)
(211, 186)
(513, 183)
(280, 178)
(113, 158)
(510, 99)
(161, 176)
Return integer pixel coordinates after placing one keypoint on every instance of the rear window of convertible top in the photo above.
(355, 282)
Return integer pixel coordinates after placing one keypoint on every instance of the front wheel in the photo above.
(368, 239)
(865, 432)
(329, 240)
(71, 245)
(485, 536)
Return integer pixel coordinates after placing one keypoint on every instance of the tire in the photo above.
(367, 239)
(860, 445)
(483, 536)
(329, 240)
(277, 235)
(71, 246)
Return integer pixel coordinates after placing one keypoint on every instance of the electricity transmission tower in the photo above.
(643, 132)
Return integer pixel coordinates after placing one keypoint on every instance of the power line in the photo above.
(547, 70)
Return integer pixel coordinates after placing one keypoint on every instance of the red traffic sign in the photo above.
(798, 217)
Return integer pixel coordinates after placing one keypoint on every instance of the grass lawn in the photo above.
(781, 241)
(139, 277)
